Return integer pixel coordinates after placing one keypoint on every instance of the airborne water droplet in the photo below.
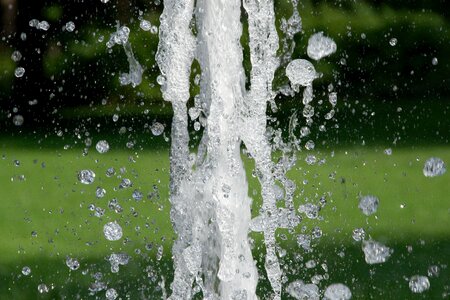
(102, 146)
(434, 167)
(368, 204)
(419, 284)
(19, 72)
(337, 291)
(157, 128)
(112, 231)
(86, 176)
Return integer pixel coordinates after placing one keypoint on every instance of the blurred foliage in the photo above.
(69, 70)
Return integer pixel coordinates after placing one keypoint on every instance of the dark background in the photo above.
(74, 77)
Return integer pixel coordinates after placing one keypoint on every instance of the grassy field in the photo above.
(41, 194)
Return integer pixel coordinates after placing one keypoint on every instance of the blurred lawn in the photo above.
(52, 202)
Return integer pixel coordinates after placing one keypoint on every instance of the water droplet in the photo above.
(42, 288)
(115, 117)
(375, 252)
(137, 195)
(43, 25)
(102, 146)
(33, 23)
(16, 56)
(337, 291)
(301, 291)
(332, 98)
(112, 231)
(19, 72)
(18, 120)
(86, 176)
(72, 263)
(388, 151)
(70, 26)
(368, 204)
(310, 145)
(320, 46)
(111, 294)
(110, 172)
(125, 183)
(104, 1)
(434, 61)
(393, 42)
(310, 210)
(161, 79)
(145, 25)
(419, 284)
(359, 234)
(433, 271)
(434, 167)
(308, 111)
(157, 128)
(26, 271)
(310, 159)
(301, 72)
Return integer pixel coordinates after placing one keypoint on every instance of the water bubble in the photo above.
(145, 25)
(26, 271)
(393, 42)
(375, 252)
(434, 167)
(301, 72)
(197, 126)
(359, 234)
(42, 288)
(18, 120)
(70, 26)
(419, 284)
(434, 61)
(157, 128)
(112, 231)
(16, 56)
(368, 204)
(43, 25)
(337, 291)
(86, 176)
(111, 294)
(104, 1)
(301, 291)
(102, 146)
(320, 46)
(115, 117)
(19, 72)
(72, 263)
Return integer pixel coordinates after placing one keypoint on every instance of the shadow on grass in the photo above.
(142, 277)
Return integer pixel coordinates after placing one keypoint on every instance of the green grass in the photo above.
(52, 202)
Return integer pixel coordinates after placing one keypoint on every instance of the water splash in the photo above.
(209, 191)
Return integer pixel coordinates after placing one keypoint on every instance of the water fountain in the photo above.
(211, 209)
